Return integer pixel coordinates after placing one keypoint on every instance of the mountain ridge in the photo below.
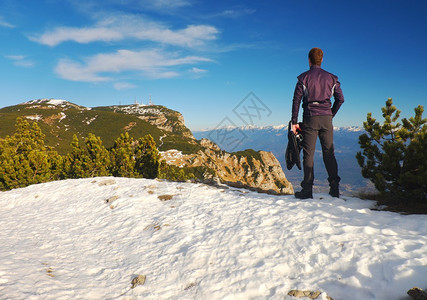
(60, 119)
(276, 127)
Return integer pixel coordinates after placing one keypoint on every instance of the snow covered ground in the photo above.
(88, 238)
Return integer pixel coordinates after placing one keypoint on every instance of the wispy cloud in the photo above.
(197, 72)
(159, 6)
(116, 28)
(20, 61)
(123, 86)
(236, 13)
(152, 63)
(3, 23)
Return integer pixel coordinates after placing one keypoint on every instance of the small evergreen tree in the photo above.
(122, 157)
(175, 173)
(89, 161)
(75, 161)
(147, 157)
(24, 158)
(98, 162)
(394, 155)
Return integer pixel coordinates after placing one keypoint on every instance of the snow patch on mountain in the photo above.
(138, 109)
(53, 103)
(50, 101)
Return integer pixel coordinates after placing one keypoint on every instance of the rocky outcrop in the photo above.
(307, 294)
(417, 294)
(260, 170)
(159, 116)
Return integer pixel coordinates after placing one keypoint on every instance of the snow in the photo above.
(349, 129)
(62, 240)
(63, 116)
(47, 101)
(88, 121)
(281, 127)
(171, 156)
(35, 117)
(57, 101)
(139, 109)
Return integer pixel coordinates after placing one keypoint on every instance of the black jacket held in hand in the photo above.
(293, 149)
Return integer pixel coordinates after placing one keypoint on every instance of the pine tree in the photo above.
(147, 157)
(74, 161)
(394, 155)
(98, 158)
(89, 161)
(24, 158)
(122, 157)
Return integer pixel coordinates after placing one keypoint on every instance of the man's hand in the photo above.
(295, 128)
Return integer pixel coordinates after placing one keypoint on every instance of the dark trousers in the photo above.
(312, 127)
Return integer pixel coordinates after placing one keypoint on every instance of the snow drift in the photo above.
(89, 238)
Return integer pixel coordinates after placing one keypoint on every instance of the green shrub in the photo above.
(24, 158)
(394, 155)
(147, 157)
(122, 157)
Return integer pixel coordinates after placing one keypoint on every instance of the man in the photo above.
(316, 87)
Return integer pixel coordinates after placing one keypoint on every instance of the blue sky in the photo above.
(211, 60)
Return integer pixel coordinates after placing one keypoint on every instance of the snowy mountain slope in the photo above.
(87, 239)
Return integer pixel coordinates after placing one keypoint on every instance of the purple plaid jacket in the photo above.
(316, 87)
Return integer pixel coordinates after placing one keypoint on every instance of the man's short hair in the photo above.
(315, 55)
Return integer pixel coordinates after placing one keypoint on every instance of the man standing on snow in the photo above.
(316, 87)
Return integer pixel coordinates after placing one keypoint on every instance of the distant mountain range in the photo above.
(274, 139)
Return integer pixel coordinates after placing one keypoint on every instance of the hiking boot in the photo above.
(304, 194)
(334, 191)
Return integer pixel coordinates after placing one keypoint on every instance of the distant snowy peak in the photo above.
(282, 127)
(349, 129)
(246, 127)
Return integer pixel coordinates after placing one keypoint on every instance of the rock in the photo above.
(256, 170)
(306, 294)
(190, 285)
(206, 143)
(138, 280)
(417, 294)
(165, 197)
(111, 199)
(106, 182)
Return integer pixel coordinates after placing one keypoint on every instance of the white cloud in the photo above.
(236, 13)
(20, 61)
(160, 6)
(15, 57)
(116, 28)
(198, 71)
(151, 63)
(79, 35)
(123, 86)
(163, 4)
(5, 24)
